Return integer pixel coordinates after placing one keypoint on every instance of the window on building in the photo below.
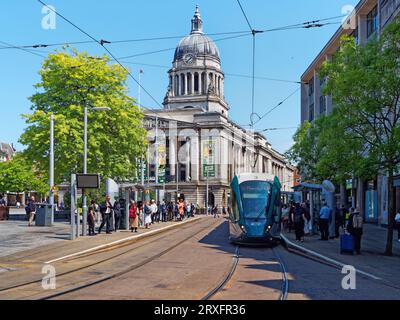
(311, 113)
(322, 105)
(311, 87)
(372, 22)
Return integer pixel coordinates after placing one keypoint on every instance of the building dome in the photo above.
(197, 43)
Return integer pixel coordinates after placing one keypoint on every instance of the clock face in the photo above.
(189, 59)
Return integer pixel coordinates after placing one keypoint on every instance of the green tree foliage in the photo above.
(69, 82)
(19, 175)
(364, 82)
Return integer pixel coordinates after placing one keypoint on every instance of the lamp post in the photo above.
(84, 198)
(51, 181)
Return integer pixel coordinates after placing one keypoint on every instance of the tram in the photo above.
(255, 209)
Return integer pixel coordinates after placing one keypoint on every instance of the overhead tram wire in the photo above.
(36, 46)
(254, 33)
(101, 43)
(277, 106)
(307, 25)
(25, 50)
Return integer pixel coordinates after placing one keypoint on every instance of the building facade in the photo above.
(193, 143)
(7, 151)
(368, 20)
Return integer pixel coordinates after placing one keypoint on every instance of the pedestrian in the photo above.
(339, 218)
(106, 210)
(170, 209)
(355, 228)
(325, 215)
(147, 210)
(2, 201)
(285, 218)
(158, 213)
(216, 212)
(154, 210)
(397, 219)
(181, 209)
(299, 218)
(307, 215)
(292, 208)
(188, 208)
(91, 218)
(163, 210)
(133, 217)
(31, 210)
(117, 214)
(97, 213)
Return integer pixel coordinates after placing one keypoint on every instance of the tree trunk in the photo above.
(391, 215)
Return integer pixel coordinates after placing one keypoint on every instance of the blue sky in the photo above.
(282, 54)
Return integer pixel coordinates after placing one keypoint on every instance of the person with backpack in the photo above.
(397, 219)
(355, 228)
(307, 217)
(91, 218)
(298, 218)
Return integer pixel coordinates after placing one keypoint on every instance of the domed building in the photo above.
(196, 79)
(195, 150)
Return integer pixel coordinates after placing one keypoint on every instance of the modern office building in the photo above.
(368, 20)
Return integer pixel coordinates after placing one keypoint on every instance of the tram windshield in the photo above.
(255, 195)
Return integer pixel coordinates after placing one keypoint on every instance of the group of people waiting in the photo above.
(297, 216)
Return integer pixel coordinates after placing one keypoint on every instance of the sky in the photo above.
(279, 55)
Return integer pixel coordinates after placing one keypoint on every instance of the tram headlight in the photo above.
(243, 228)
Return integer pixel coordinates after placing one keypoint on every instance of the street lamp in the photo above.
(84, 199)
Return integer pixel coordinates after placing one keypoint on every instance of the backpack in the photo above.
(357, 221)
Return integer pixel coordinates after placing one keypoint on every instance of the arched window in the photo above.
(189, 83)
(196, 82)
(176, 85)
(204, 84)
(182, 84)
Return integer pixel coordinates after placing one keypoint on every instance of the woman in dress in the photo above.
(147, 215)
(133, 216)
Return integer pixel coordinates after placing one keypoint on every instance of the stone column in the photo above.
(185, 79)
(200, 83)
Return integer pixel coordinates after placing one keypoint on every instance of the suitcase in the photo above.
(346, 244)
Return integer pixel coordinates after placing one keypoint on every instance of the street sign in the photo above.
(209, 170)
(88, 181)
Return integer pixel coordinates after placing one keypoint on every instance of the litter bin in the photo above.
(43, 215)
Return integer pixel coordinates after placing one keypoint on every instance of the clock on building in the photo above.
(189, 59)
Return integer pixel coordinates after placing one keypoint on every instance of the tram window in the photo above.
(255, 195)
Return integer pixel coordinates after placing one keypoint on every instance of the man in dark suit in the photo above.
(117, 214)
(106, 210)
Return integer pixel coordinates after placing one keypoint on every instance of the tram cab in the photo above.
(255, 209)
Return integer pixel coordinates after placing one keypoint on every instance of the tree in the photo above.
(20, 175)
(364, 82)
(71, 81)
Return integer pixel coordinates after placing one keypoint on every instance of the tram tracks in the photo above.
(91, 283)
(284, 291)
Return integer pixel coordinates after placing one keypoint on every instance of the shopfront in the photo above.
(371, 202)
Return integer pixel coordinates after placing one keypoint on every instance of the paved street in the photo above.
(183, 263)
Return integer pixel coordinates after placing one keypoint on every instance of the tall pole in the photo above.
(84, 200)
(140, 108)
(52, 167)
(156, 143)
(207, 188)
